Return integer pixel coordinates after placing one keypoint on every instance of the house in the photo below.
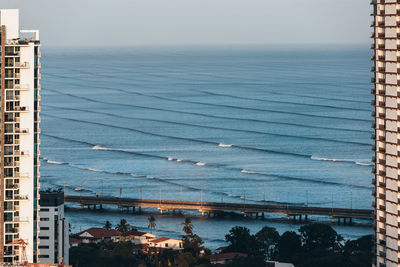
(220, 249)
(166, 243)
(225, 258)
(74, 242)
(96, 235)
(137, 237)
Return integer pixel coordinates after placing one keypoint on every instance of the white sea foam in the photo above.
(247, 171)
(55, 162)
(342, 160)
(94, 170)
(97, 147)
(200, 164)
(364, 164)
(178, 160)
(170, 159)
(224, 145)
(326, 159)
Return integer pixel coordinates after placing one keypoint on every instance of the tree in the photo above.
(288, 246)
(188, 226)
(320, 237)
(108, 225)
(241, 240)
(152, 225)
(268, 237)
(359, 252)
(123, 226)
(191, 242)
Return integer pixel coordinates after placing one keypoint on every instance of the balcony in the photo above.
(21, 109)
(21, 131)
(382, 58)
(23, 87)
(20, 219)
(24, 65)
(21, 197)
(21, 152)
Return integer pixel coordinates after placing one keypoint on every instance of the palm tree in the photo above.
(188, 226)
(123, 226)
(108, 225)
(152, 224)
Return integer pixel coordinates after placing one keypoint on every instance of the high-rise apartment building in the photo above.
(19, 139)
(54, 228)
(386, 34)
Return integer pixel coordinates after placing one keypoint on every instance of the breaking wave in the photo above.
(342, 160)
(224, 145)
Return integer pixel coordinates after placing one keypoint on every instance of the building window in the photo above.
(44, 219)
(43, 237)
(43, 247)
(44, 228)
(166, 245)
(44, 256)
(43, 209)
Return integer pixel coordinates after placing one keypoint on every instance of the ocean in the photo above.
(230, 124)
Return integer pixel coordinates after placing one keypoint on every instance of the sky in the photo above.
(195, 22)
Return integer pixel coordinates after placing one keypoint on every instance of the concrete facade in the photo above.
(54, 228)
(386, 69)
(19, 120)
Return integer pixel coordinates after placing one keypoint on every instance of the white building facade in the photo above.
(386, 58)
(19, 141)
(54, 228)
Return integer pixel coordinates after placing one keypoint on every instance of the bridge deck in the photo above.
(288, 210)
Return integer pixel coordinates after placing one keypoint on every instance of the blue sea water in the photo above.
(217, 123)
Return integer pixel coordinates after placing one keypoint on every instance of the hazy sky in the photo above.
(161, 22)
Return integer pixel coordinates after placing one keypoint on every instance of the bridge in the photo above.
(209, 208)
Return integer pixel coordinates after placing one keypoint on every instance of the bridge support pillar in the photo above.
(263, 215)
(306, 218)
(101, 206)
(180, 211)
(350, 220)
(140, 210)
(133, 209)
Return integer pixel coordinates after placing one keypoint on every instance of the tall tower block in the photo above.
(19, 138)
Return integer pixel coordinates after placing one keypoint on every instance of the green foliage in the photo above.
(289, 245)
(241, 240)
(123, 226)
(107, 225)
(268, 238)
(152, 223)
(316, 245)
(91, 255)
(185, 260)
(192, 243)
(320, 237)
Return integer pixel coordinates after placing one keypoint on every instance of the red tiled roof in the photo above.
(161, 239)
(98, 233)
(134, 233)
(74, 240)
(227, 256)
